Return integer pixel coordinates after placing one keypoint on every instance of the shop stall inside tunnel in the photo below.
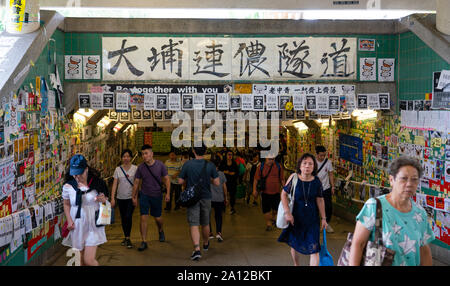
(368, 96)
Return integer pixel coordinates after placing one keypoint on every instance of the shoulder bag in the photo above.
(191, 195)
(281, 220)
(375, 253)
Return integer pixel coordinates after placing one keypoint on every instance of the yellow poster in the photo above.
(243, 88)
(18, 12)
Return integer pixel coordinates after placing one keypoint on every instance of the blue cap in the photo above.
(77, 165)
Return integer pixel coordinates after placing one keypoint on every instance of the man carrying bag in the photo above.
(198, 174)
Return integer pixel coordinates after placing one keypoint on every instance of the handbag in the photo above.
(191, 195)
(375, 253)
(281, 220)
(325, 257)
(103, 214)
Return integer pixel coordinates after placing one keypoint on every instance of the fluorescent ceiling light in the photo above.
(338, 14)
(300, 126)
(363, 114)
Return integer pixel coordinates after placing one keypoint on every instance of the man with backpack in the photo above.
(268, 180)
(199, 174)
(151, 173)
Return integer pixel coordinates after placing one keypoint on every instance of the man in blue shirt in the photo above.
(199, 214)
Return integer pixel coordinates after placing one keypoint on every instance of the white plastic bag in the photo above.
(104, 214)
(281, 220)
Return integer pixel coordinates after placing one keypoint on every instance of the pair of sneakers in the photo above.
(218, 236)
(196, 254)
(144, 245)
(127, 242)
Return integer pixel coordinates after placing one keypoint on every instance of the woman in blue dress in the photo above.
(303, 233)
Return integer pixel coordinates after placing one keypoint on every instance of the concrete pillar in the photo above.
(442, 16)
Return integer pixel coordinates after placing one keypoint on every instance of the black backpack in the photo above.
(192, 194)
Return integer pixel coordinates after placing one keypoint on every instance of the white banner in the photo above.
(227, 58)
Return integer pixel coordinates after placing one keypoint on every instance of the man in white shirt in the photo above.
(325, 174)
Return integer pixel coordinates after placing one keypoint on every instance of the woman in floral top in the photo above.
(405, 228)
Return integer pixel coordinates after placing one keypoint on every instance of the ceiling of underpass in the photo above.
(250, 9)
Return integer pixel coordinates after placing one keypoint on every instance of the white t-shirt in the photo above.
(323, 174)
(124, 188)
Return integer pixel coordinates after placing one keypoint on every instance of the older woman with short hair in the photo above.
(405, 225)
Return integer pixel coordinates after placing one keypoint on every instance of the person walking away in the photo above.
(81, 195)
(249, 177)
(199, 214)
(405, 225)
(271, 173)
(149, 176)
(218, 202)
(231, 171)
(303, 234)
(325, 174)
(173, 166)
(124, 176)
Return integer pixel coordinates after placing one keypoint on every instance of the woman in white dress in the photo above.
(80, 208)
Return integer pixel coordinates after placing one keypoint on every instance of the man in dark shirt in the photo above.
(199, 214)
(151, 173)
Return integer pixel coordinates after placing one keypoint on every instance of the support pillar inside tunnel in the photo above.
(442, 16)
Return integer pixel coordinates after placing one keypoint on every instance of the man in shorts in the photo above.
(199, 214)
(151, 173)
(270, 195)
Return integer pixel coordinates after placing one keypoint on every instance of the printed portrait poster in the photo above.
(161, 102)
(258, 102)
(386, 69)
(322, 101)
(311, 102)
(403, 105)
(199, 101)
(410, 105)
(73, 67)
(147, 114)
(333, 103)
(284, 99)
(210, 101)
(174, 101)
(272, 102)
(367, 69)
(122, 100)
(373, 101)
(108, 100)
(362, 101)
(97, 101)
(149, 101)
(384, 100)
(247, 101)
(188, 102)
(299, 101)
(235, 102)
(84, 100)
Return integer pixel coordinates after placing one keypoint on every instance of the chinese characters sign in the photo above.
(227, 58)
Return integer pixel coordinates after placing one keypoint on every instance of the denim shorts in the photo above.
(154, 204)
(199, 213)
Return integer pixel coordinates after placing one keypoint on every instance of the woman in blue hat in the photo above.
(82, 193)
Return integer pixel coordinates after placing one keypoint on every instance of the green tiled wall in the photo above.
(91, 44)
(417, 63)
(42, 66)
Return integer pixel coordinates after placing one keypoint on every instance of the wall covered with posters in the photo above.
(34, 148)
